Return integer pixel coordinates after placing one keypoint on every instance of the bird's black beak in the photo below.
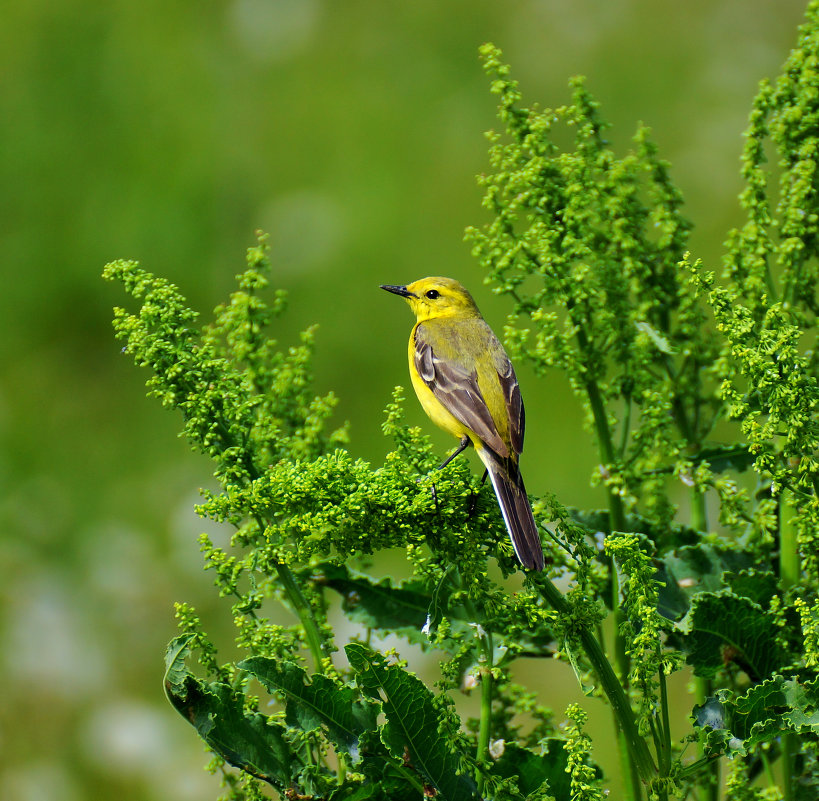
(398, 290)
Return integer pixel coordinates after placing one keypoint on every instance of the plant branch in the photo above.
(789, 564)
(305, 613)
(664, 753)
(611, 686)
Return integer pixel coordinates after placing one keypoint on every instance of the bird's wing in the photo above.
(511, 394)
(457, 389)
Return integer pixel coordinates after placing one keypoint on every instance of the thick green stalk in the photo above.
(617, 517)
(485, 720)
(664, 753)
(699, 513)
(617, 522)
(768, 768)
(699, 521)
(790, 748)
(411, 777)
(790, 567)
(637, 747)
(790, 571)
(302, 608)
(305, 613)
(705, 689)
(632, 785)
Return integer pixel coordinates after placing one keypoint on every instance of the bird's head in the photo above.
(436, 297)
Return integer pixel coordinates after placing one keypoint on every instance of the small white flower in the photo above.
(479, 630)
(427, 626)
(496, 748)
(469, 683)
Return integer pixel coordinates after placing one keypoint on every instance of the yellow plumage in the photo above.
(466, 384)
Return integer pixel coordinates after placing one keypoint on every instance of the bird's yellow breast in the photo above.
(435, 410)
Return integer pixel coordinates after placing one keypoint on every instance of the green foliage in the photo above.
(585, 784)
(415, 730)
(723, 628)
(316, 703)
(245, 739)
(701, 394)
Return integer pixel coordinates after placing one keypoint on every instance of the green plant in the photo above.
(702, 397)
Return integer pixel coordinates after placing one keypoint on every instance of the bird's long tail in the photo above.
(517, 512)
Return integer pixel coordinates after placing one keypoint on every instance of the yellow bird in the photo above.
(467, 386)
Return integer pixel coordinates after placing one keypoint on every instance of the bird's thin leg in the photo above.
(464, 444)
(473, 496)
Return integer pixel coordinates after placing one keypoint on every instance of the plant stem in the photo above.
(341, 771)
(485, 721)
(487, 681)
(411, 778)
(631, 776)
(790, 567)
(790, 570)
(790, 748)
(305, 613)
(611, 686)
(664, 755)
(769, 774)
(699, 514)
(617, 522)
(699, 521)
(704, 690)
(617, 517)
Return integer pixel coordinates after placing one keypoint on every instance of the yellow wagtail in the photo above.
(467, 386)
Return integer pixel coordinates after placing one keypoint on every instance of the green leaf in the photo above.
(358, 792)
(691, 570)
(378, 605)
(597, 520)
(533, 771)
(396, 782)
(803, 703)
(408, 609)
(761, 715)
(722, 627)
(660, 342)
(176, 654)
(757, 716)
(414, 727)
(317, 702)
(722, 458)
(248, 741)
(758, 586)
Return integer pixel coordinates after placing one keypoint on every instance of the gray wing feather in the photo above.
(514, 401)
(459, 393)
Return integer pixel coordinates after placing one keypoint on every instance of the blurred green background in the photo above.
(352, 132)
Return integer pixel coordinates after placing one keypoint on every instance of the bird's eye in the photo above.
(433, 293)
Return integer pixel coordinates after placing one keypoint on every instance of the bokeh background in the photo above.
(352, 132)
